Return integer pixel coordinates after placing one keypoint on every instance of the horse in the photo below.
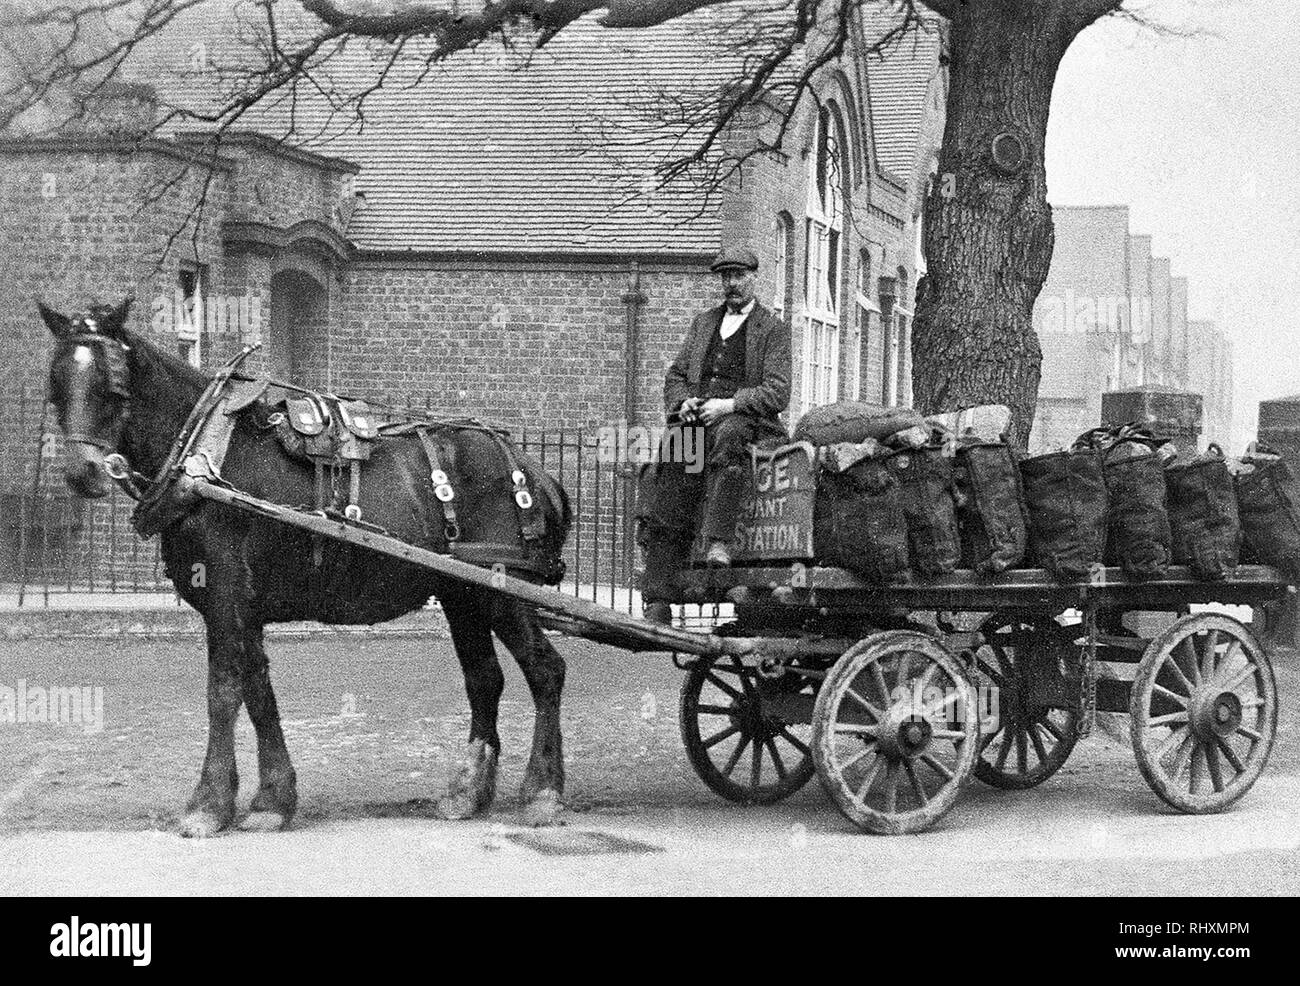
(116, 391)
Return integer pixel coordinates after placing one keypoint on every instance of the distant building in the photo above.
(1111, 316)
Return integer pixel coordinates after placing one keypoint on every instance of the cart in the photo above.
(895, 695)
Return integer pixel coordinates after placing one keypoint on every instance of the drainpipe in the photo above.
(887, 290)
(633, 299)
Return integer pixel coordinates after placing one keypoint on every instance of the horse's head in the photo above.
(90, 387)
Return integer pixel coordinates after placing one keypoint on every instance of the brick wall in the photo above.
(92, 219)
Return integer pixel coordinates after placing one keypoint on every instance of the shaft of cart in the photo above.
(557, 609)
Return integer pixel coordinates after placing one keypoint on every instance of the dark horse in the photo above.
(115, 391)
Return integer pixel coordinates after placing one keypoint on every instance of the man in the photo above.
(730, 380)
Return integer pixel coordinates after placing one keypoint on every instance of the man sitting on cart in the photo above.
(731, 379)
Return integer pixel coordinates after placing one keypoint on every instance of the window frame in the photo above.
(823, 269)
(190, 312)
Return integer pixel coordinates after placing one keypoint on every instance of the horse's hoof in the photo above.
(455, 807)
(264, 821)
(544, 810)
(200, 825)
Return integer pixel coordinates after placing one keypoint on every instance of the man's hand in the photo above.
(716, 408)
(687, 412)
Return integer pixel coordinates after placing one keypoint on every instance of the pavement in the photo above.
(374, 725)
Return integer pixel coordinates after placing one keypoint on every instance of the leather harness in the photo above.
(199, 450)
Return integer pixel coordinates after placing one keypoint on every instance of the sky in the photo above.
(1200, 136)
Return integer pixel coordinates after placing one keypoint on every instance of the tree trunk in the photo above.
(988, 233)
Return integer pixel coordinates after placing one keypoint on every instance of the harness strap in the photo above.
(531, 524)
(353, 510)
(442, 488)
(152, 512)
(318, 542)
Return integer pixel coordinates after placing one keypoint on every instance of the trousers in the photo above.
(698, 462)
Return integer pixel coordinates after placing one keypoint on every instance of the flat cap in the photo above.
(735, 257)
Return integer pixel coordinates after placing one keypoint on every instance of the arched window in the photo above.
(823, 232)
(781, 235)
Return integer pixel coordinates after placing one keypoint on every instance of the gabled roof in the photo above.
(545, 152)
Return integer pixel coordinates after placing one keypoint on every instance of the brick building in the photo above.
(492, 243)
(1111, 316)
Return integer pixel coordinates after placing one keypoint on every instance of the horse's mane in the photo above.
(157, 363)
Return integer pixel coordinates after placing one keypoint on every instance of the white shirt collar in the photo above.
(731, 323)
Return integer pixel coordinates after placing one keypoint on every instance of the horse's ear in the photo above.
(116, 320)
(58, 324)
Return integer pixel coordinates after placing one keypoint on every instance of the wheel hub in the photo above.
(1214, 713)
(905, 736)
(750, 718)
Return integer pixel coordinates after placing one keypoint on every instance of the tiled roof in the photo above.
(485, 155)
(898, 79)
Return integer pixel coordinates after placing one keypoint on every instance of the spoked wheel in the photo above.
(895, 732)
(1023, 662)
(1203, 712)
(747, 737)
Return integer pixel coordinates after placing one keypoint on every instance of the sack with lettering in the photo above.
(924, 477)
(1065, 498)
(1268, 505)
(858, 520)
(1203, 515)
(990, 507)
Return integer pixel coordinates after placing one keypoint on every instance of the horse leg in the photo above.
(276, 800)
(543, 668)
(473, 784)
(212, 807)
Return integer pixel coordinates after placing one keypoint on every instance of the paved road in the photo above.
(374, 724)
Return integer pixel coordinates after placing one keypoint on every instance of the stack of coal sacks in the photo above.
(901, 496)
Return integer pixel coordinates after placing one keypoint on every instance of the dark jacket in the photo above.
(765, 392)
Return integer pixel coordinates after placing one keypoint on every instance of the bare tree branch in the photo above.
(700, 140)
(1087, 12)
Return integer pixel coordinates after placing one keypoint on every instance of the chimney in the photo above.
(119, 109)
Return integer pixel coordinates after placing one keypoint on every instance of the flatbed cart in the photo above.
(895, 695)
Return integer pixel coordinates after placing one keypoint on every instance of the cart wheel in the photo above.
(729, 715)
(1203, 712)
(1031, 739)
(895, 732)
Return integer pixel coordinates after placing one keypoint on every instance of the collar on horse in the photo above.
(162, 499)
